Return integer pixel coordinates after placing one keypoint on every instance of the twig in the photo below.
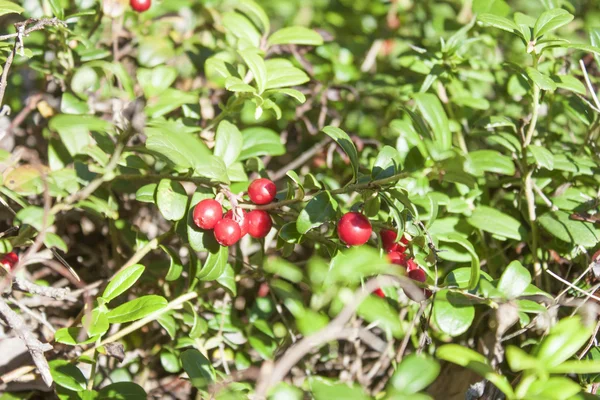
(273, 374)
(35, 347)
(33, 315)
(569, 284)
(302, 159)
(26, 286)
(591, 342)
(589, 84)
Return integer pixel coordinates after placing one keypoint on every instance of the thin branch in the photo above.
(26, 286)
(589, 84)
(35, 347)
(38, 317)
(569, 284)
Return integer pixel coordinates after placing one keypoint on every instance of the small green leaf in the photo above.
(453, 312)
(551, 20)
(433, 112)
(227, 279)
(496, 222)
(146, 193)
(414, 374)
(215, 264)
(320, 209)
(283, 268)
(136, 309)
(175, 265)
(257, 65)
(241, 28)
(344, 141)
(171, 199)
(560, 225)
(34, 216)
(95, 322)
(228, 142)
(387, 163)
(256, 13)
(67, 375)
(122, 391)
(198, 368)
(8, 7)
(258, 142)
(501, 23)
(543, 157)
(544, 82)
(481, 161)
(295, 35)
(563, 341)
(122, 281)
(329, 389)
(475, 270)
(514, 280)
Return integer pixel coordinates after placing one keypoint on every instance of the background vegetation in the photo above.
(470, 127)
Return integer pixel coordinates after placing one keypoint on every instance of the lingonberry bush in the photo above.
(299, 199)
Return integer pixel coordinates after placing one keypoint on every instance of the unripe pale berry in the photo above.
(354, 229)
(243, 223)
(227, 232)
(259, 223)
(262, 191)
(207, 213)
(140, 5)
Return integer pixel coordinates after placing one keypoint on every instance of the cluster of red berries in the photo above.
(228, 229)
(9, 260)
(354, 229)
(140, 5)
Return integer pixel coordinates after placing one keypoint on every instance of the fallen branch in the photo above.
(35, 347)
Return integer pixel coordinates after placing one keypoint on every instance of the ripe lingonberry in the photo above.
(397, 258)
(417, 274)
(140, 5)
(263, 290)
(379, 292)
(9, 260)
(227, 232)
(243, 223)
(259, 223)
(411, 265)
(388, 241)
(262, 191)
(354, 229)
(207, 213)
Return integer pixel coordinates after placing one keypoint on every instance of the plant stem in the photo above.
(90, 383)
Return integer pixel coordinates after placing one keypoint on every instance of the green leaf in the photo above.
(295, 35)
(70, 336)
(296, 94)
(175, 265)
(495, 222)
(344, 141)
(414, 374)
(577, 367)
(553, 388)
(329, 389)
(387, 163)
(453, 313)
(563, 341)
(543, 157)
(34, 216)
(136, 309)
(122, 391)
(241, 28)
(514, 280)
(518, 360)
(168, 323)
(560, 225)
(146, 193)
(182, 149)
(595, 40)
(96, 323)
(235, 84)
(67, 375)
(8, 7)
(74, 130)
(258, 142)
(257, 65)
(52, 240)
(215, 264)
(256, 13)
(376, 310)
(476, 362)
(198, 368)
(501, 23)
(320, 209)
(475, 270)
(366, 261)
(569, 82)
(551, 20)
(433, 112)
(285, 269)
(282, 73)
(155, 81)
(168, 101)
(228, 142)
(123, 281)
(544, 82)
(227, 279)
(481, 161)
(171, 199)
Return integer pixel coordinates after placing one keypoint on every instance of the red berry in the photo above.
(397, 258)
(9, 260)
(388, 241)
(140, 5)
(262, 191)
(243, 224)
(227, 232)
(207, 213)
(259, 223)
(379, 292)
(263, 289)
(354, 229)
(417, 275)
(411, 265)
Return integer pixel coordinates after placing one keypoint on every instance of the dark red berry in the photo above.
(354, 229)
(397, 258)
(379, 292)
(388, 241)
(207, 213)
(243, 223)
(9, 260)
(411, 265)
(259, 223)
(417, 275)
(263, 289)
(227, 232)
(140, 5)
(262, 191)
